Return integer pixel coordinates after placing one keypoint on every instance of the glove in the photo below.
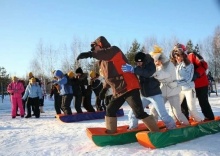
(102, 93)
(84, 55)
(127, 68)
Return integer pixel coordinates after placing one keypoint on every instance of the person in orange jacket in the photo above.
(111, 60)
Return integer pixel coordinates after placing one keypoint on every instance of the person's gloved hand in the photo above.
(84, 55)
(195, 76)
(127, 68)
(102, 93)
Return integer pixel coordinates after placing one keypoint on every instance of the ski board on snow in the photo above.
(171, 137)
(85, 116)
(123, 135)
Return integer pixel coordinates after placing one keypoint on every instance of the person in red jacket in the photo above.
(125, 86)
(201, 83)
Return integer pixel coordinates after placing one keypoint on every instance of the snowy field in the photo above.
(47, 136)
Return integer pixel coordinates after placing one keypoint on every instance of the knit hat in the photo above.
(30, 75)
(32, 80)
(92, 74)
(58, 73)
(71, 74)
(140, 57)
(79, 70)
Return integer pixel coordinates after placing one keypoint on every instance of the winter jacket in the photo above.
(184, 76)
(167, 77)
(200, 67)
(111, 60)
(83, 83)
(64, 87)
(15, 89)
(32, 91)
(149, 85)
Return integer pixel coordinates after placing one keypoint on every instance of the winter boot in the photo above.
(151, 124)
(111, 124)
(41, 109)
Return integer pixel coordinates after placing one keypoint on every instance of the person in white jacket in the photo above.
(184, 73)
(166, 74)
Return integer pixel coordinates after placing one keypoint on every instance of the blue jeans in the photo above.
(158, 103)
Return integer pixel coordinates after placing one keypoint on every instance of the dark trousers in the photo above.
(78, 102)
(57, 103)
(100, 104)
(133, 99)
(202, 95)
(34, 102)
(108, 99)
(87, 101)
(66, 102)
(42, 101)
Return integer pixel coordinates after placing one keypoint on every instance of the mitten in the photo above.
(127, 68)
(102, 93)
(84, 55)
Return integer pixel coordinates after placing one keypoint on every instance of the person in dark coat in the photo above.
(111, 59)
(86, 89)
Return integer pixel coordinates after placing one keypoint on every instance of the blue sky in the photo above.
(25, 22)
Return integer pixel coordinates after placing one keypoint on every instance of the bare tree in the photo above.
(216, 52)
(149, 43)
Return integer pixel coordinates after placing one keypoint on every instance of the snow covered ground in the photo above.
(47, 136)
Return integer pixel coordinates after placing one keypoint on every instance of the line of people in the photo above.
(155, 79)
(80, 86)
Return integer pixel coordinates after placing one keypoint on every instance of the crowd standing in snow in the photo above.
(154, 80)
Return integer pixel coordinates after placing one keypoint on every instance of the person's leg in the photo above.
(13, 107)
(202, 95)
(191, 103)
(111, 110)
(20, 106)
(78, 102)
(87, 101)
(176, 109)
(36, 107)
(66, 104)
(132, 120)
(57, 104)
(29, 101)
(134, 100)
(158, 103)
(184, 106)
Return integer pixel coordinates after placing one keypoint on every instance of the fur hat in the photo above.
(71, 74)
(92, 74)
(58, 73)
(157, 54)
(30, 75)
(79, 70)
(140, 57)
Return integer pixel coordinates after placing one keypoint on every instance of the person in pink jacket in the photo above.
(15, 88)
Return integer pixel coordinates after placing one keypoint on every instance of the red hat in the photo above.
(181, 46)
